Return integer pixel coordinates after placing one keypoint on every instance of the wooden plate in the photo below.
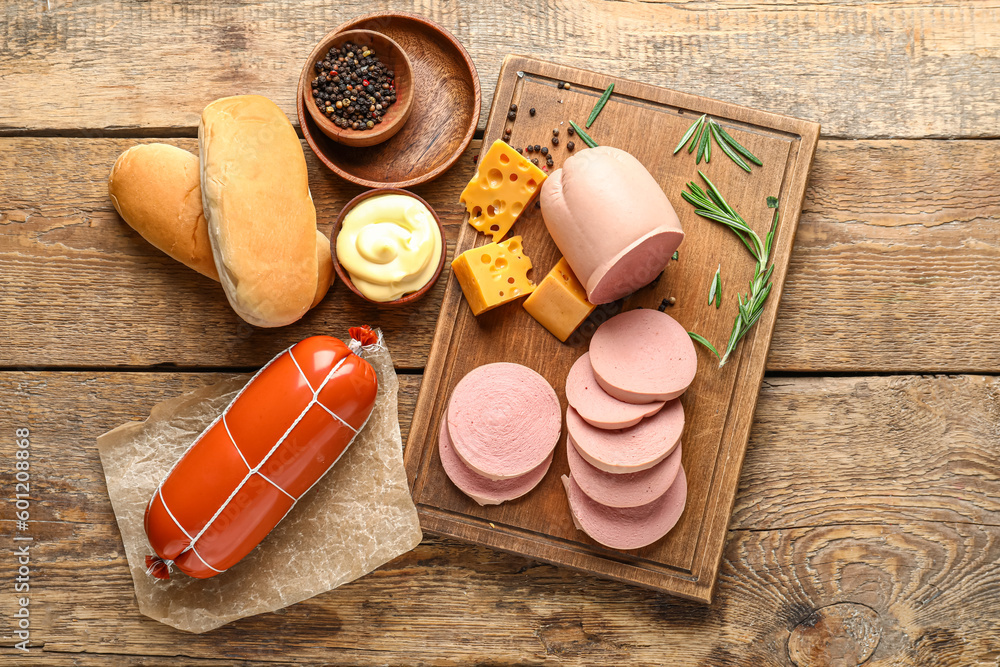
(719, 405)
(445, 113)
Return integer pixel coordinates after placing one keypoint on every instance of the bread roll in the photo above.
(156, 188)
(261, 218)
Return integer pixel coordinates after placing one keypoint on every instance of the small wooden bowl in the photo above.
(345, 277)
(444, 117)
(393, 57)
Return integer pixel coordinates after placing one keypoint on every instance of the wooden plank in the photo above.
(897, 240)
(153, 65)
(637, 118)
(78, 278)
(908, 528)
(921, 593)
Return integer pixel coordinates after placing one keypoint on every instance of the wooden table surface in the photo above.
(867, 525)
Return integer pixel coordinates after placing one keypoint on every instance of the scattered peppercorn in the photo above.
(555, 132)
(538, 204)
(566, 85)
(513, 107)
(531, 111)
(346, 74)
(512, 115)
(560, 85)
(570, 131)
(534, 161)
(570, 145)
(555, 141)
(520, 151)
(545, 150)
(538, 148)
(530, 148)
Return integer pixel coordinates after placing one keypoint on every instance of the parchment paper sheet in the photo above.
(359, 516)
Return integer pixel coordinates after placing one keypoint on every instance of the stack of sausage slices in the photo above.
(626, 485)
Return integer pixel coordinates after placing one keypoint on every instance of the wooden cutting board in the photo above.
(648, 122)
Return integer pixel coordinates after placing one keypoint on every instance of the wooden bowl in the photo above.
(393, 57)
(444, 116)
(345, 277)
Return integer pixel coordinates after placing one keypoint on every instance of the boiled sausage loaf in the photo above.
(612, 222)
(278, 437)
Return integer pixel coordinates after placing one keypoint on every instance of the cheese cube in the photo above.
(560, 302)
(493, 274)
(502, 187)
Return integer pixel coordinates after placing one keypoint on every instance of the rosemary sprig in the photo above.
(695, 127)
(709, 203)
(583, 135)
(715, 291)
(704, 341)
(600, 105)
(703, 131)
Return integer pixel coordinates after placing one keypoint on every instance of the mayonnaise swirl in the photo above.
(390, 245)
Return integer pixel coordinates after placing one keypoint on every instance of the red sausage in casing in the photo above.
(278, 437)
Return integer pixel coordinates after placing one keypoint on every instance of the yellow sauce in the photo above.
(391, 245)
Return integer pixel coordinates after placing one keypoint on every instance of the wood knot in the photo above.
(838, 634)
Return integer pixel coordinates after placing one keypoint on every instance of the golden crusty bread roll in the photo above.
(261, 218)
(156, 189)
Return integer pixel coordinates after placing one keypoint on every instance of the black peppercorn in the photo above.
(555, 141)
(545, 150)
(570, 131)
(534, 161)
(537, 147)
(520, 151)
(531, 111)
(347, 74)
(512, 115)
(513, 107)
(570, 145)
(555, 132)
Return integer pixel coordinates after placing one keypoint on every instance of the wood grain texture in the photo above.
(921, 562)
(896, 266)
(719, 403)
(884, 69)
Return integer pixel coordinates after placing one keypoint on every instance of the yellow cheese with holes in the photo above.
(493, 274)
(559, 302)
(503, 186)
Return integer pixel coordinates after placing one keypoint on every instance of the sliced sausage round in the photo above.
(627, 527)
(630, 489)
(596, 406)
(504, 420)
(642, 356)
(481, 489)
(631, 449)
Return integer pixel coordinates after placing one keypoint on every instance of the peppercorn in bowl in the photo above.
(357, 86)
